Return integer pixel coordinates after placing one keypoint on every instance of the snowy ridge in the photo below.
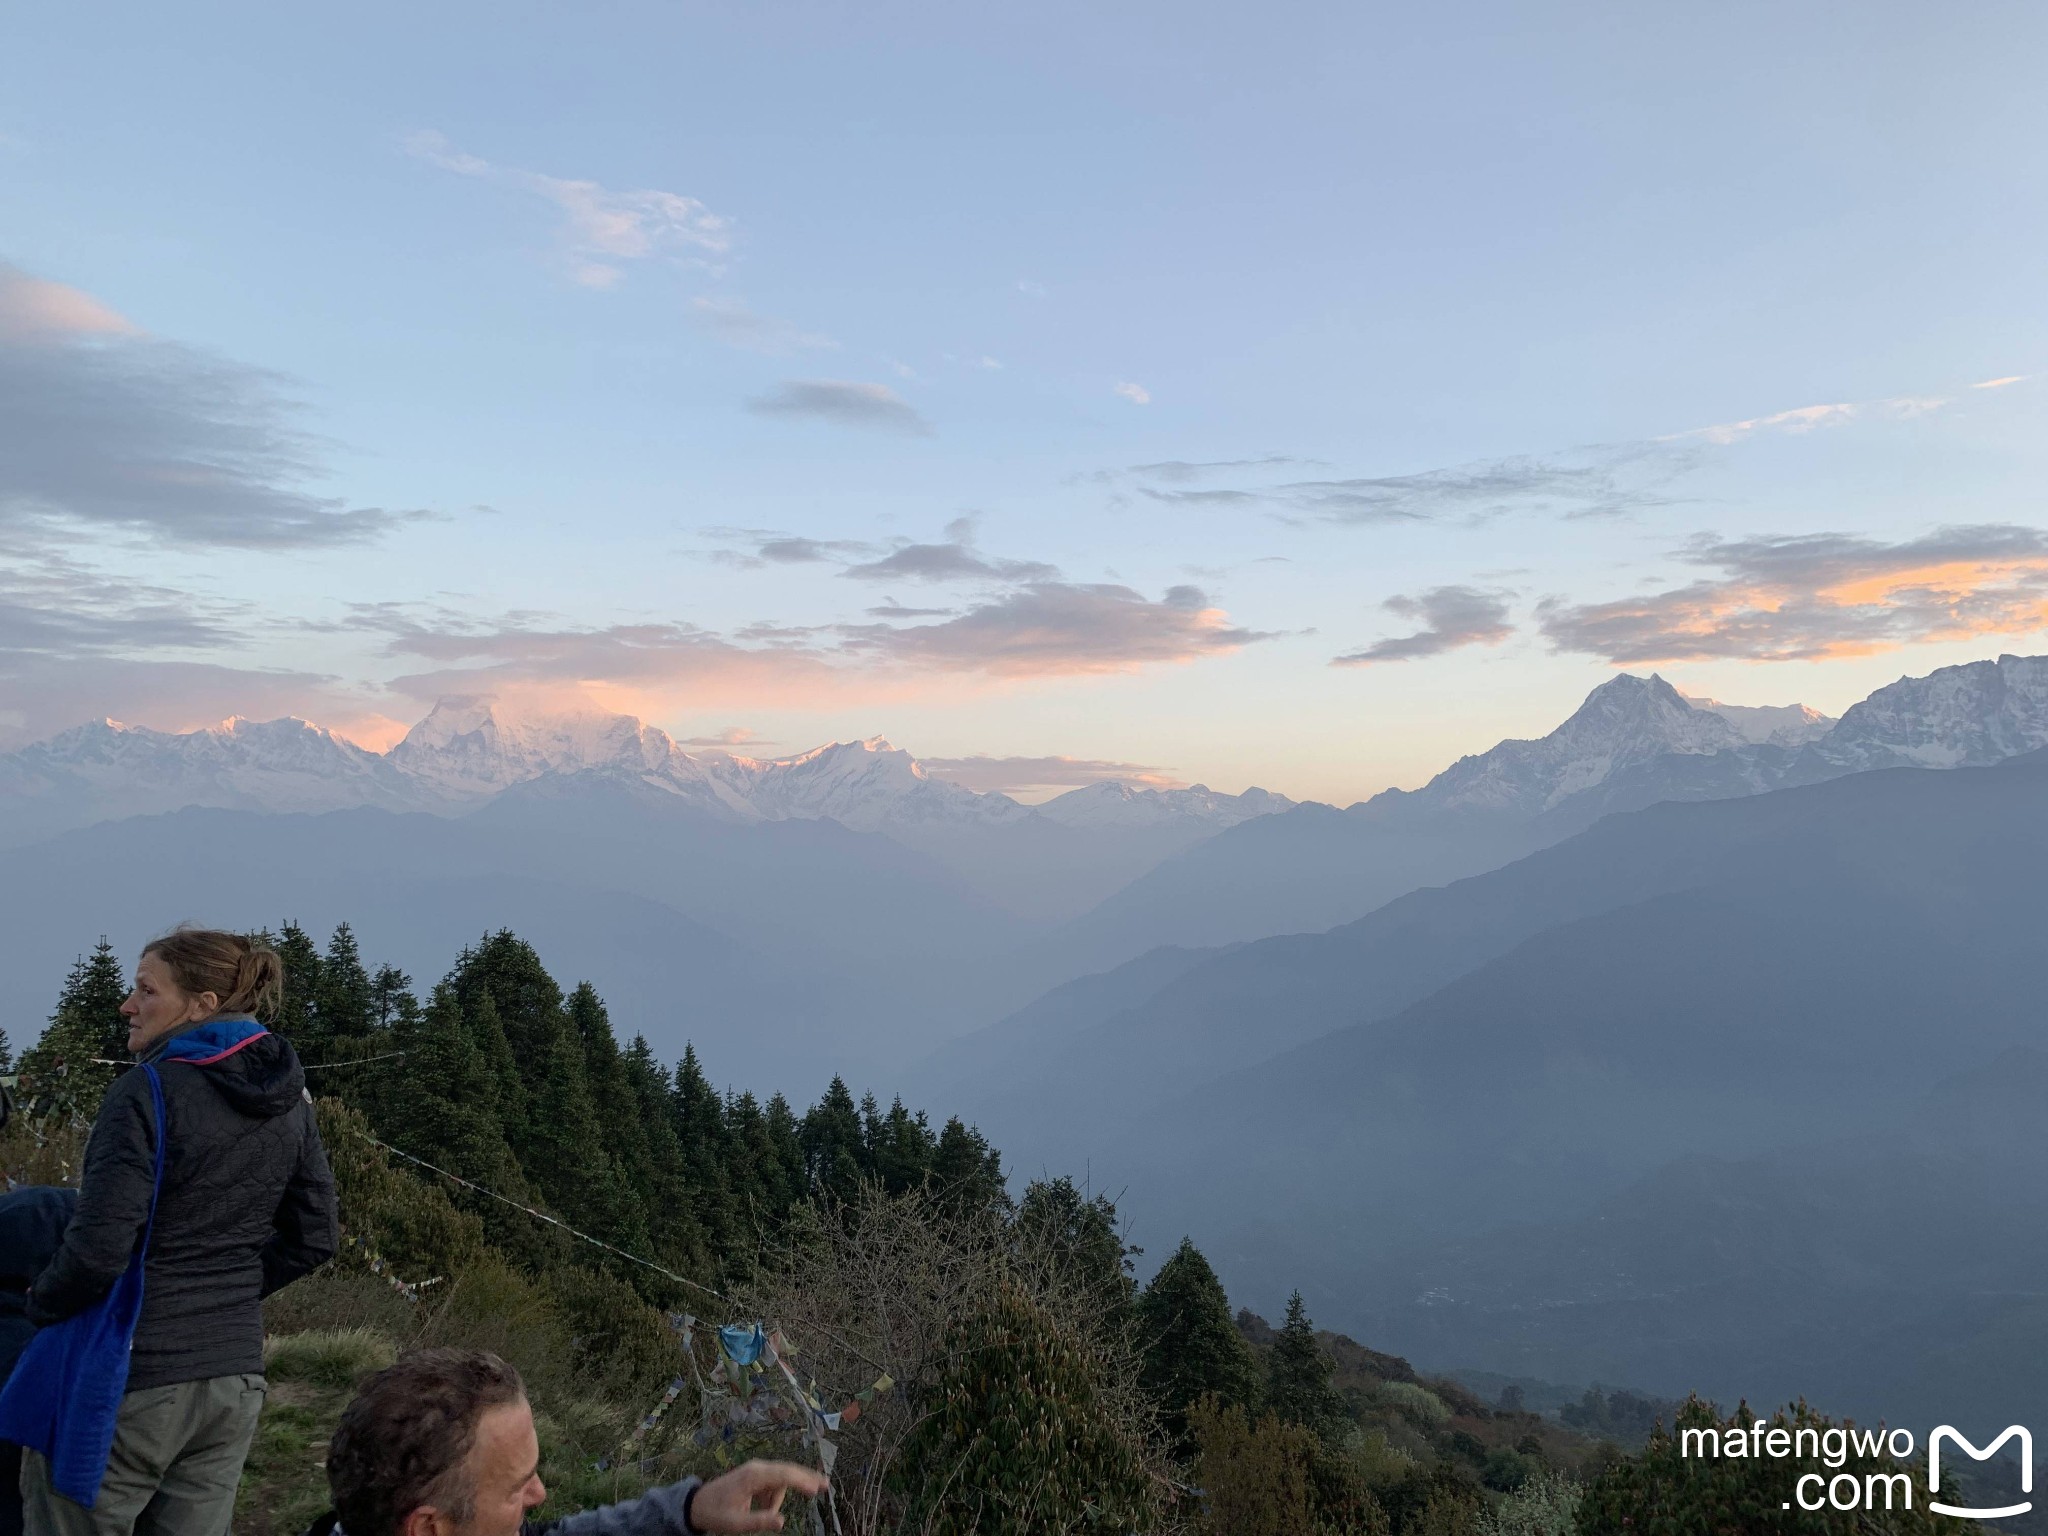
(867, 785)
(1625, 721)
(1634, 730)
(1958, 717)
(1115, 803)
(1776, 725)
(272, 765)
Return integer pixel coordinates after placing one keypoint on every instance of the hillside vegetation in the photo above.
(989, 1360)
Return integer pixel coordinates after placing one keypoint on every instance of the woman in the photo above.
(245, 1205)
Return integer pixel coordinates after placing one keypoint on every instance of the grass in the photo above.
(328, 1357)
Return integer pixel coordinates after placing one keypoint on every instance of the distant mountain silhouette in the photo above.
(1720, 979)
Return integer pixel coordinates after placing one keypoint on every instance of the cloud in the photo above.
(1451, 617)
(1810, 418)
(1812, 597)
(76, 644)
(1057, 628)
(2011, 378)
(737, 325)
(731, 737)
(56, 608)
(889, 608)
(680, 660)
(46, 694)
(1213, 496)
(1182, 472)
(848, 404)
(768, 547)
(1593, 480)
(103, 425)
(1137, 394)
(1039, 630)
(1031, 288)
(1603, 481)
(954, 560)
(34, 310)
(1014, 775)
(600, 228)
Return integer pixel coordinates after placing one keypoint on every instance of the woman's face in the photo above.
(159, 1005)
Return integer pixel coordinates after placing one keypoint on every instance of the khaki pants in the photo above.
(177, 1460)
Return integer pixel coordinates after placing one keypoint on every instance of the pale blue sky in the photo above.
(626, 297)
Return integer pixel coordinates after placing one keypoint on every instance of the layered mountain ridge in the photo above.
(467, 751)
(1634, 742)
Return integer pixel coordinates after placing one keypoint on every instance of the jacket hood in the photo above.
(257, 1072)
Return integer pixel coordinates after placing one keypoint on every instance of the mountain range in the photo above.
(1514, 1070)
(1634, 742)
(1544, 1120)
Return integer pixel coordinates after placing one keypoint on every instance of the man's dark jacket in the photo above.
(32, 1222)
(247, 1206)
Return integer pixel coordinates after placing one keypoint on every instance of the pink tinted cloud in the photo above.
(1821, 596)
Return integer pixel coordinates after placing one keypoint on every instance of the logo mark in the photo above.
(1947, 1431)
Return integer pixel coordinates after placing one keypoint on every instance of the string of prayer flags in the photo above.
(380, 1267)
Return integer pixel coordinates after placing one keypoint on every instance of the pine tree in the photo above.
(1299, 1384)
(1017, 1439)
(833, 1144)
(550, 1119)
(701, 1132)
(617, 1110)
(1192, 1347)
(65, 1070)
(298, 1014)
(344, 997)
(675, 1226)
(391, 997)
(967, 1173)
(6, 1054)
(783, 1173)
(899, 1146)
(446, 1107)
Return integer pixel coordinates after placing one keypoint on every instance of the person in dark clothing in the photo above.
(32, 1222)
(442, 1444)
(247, 1206)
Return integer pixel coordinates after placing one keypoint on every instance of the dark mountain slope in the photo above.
(1892, 1273)
(1828, 951)
(1260, 999)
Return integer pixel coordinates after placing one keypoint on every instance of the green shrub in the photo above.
(1420, 1406)
(1018, 1441)
(1544, 1506)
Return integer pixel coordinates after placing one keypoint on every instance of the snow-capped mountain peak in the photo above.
(867, 785)
(1625, 720)
(1113, 802)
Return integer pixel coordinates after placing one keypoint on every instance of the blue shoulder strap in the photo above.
(156, 1095)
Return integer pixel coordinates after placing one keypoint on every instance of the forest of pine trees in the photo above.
(1037, 1386)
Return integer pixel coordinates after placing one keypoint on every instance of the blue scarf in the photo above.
(215, 1040)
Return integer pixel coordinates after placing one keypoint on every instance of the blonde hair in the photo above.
(244, 973)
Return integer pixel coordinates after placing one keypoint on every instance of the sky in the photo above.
(1298, 395)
